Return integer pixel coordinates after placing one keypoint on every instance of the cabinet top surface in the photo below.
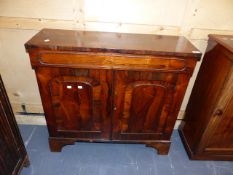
(86, 41)
(225, 40)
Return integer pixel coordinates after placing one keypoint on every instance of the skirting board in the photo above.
(30, 119)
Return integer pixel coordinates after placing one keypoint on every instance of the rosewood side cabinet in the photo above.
(111, 87)
(207, 131)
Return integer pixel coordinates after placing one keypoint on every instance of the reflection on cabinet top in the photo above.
(224, 40)
(86, 41)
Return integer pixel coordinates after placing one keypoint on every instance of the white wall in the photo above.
(21, 19)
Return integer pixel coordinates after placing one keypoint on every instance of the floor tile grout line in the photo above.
(30, 136)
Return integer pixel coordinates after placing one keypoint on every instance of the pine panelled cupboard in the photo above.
(111, 87)
(208, 128)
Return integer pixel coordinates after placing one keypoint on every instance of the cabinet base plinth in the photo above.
(56, 144)
(202, 155)
(161, 147)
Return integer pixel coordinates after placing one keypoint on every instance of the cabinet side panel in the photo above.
(12, 150)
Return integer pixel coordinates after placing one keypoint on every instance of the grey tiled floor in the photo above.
(112, 159)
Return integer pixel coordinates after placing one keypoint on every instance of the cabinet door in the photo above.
(79, 99)
(220, 141)
(142, 104)
(218, 137)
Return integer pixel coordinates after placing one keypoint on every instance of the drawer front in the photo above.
(111, 61)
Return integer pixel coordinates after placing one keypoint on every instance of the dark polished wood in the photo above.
(109, 87)
(107, 42)
(207, 131)
(13, 155)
